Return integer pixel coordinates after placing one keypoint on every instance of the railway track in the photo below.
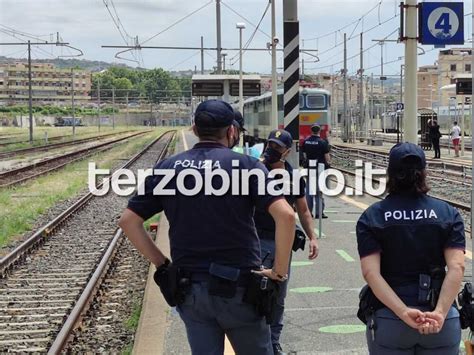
(38, 140)
(41, 148)
(49, 281)
(19, 175)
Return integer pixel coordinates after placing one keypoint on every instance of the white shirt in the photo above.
(456, 132)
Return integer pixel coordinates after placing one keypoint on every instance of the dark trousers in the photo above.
(437, 151)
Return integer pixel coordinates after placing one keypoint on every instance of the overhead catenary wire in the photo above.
(355, 22)
(178, 21)
(185, 60)
(249, 41)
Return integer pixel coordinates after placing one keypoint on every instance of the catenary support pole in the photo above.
(291, 76)
(411, 82)
(202, 55)
(73, 105)
(361, 91)
(218, 30)
(345, 119)
(472, 134)
(113, 108)
(274, 116)
(30, 94)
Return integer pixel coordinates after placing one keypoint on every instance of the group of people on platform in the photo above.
(434, 136)
(221, 244)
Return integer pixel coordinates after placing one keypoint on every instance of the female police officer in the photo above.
(405, 243)
(278, 147)
(213, 238)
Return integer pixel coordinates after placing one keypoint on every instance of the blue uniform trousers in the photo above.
(313, 199)
(268, 248)
(209, 318)
(392, 336)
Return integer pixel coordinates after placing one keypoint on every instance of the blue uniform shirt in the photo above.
(206, 229)
(411, 232)
(315, 147)
(264, 221)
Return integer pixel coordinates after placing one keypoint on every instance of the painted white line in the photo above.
(185, 143)
(318, 308)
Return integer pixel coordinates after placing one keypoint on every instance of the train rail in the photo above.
(39, 140)
(19, 175)
(50, 279)
(18, 152)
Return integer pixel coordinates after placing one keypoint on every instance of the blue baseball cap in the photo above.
(401, 151)
(315, 127)
(281, 137)
(239, 120)
(214, 113)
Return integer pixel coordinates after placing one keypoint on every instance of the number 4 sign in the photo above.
(441, 23)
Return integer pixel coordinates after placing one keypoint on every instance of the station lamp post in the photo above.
(240, 26)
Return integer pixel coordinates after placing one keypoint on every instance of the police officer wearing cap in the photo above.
(278, 147)
(405, 243)
(213, 238)
(316, 150)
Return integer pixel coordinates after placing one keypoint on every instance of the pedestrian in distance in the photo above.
(405, 243)
(278, 148)
(215, 250)
(456, 138)
(435, 135)
(316, 149)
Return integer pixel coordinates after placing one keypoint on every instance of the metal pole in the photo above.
(401, 100)
(371, 102)
(345, 123)
(126, 117)
(151, 111)
(291, 29)
(98, 103)
(202, 55)
(218, 29)
(411, 81)
(274, 116)
(462, 126)
(113, 108)
(472, 136)
(30, 93)
(382, 85)
(241, 79)
(72, 105)
(361, 92)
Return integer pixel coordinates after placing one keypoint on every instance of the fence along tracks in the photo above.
(49, 280)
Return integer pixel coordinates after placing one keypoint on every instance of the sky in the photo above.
(87, 24)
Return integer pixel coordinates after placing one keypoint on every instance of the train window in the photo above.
(301, 101)
(316, 101)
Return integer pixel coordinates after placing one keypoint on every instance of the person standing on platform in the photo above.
(435, 136)
(405, 243)
(278, 148)
(456, 137)
(316, 149)
(215, 249)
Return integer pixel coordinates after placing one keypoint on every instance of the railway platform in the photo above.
(322, 301)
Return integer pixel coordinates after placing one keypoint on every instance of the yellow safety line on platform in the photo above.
(347, 199)
(185, 144)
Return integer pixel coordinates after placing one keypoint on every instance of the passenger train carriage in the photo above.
(315, 107)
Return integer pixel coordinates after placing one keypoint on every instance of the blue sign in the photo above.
(442, 23)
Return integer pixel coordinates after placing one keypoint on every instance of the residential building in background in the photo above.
(452, 64)
(428, 89)
(49, 84)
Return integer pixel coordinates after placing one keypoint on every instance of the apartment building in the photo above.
(453, 63)
(49, 84)
(428, 88)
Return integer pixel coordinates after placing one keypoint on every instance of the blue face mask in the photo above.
(272, 155)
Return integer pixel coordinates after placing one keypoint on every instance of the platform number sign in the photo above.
(441, 23)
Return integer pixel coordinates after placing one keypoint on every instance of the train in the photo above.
(67, 122)
(315, 107)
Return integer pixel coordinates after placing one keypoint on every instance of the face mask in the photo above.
(272, 155)
(235, 141)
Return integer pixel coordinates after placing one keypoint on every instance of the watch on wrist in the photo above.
(279, 277)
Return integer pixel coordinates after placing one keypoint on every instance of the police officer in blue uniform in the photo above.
(405, 243)
(278, 147)
(213, 238)
(317, 150)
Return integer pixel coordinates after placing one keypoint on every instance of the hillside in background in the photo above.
(91, 65)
